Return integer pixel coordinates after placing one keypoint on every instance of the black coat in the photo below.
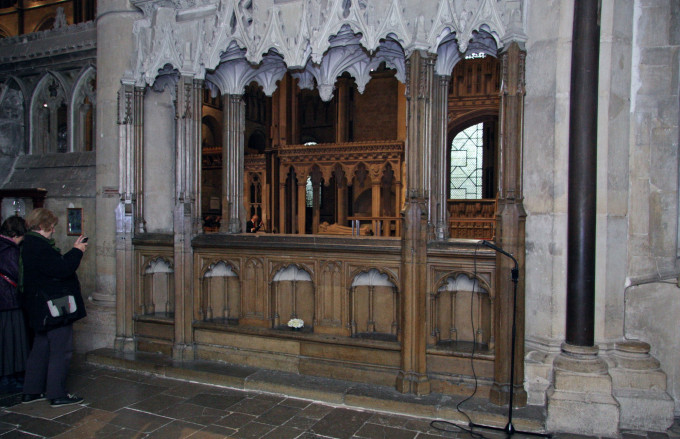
(9, 266)
(47, 274)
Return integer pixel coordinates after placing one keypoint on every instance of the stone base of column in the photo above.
(581, 400)
(411, 382)
(640, 388)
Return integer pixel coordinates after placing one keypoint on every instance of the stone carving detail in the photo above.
(319, 39)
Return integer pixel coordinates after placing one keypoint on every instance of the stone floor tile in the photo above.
(36, 426)
(278, 415)
(84, 415)
(214, 432)
(283, 433)
(341, 423)
(194, 413)
(253, 406)
(124, 433)
(235, 420)
(112, 403)
(18, 434)
(90, 430)
(217, 401)
(157, 403)
(188, 390)
(375, 431)
(295, 402)
(388, 420)
(253, 430)
(301, 422)
(43, 409)
(316, 411)
(176, 430)
(139, 421)
(657, 435)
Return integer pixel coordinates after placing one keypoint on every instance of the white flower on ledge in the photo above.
(296, 323)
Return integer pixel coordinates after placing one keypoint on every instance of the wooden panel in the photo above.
(163, 331)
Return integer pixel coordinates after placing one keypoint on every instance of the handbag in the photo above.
(62, 306)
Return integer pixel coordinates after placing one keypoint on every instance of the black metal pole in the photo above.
(582, 175)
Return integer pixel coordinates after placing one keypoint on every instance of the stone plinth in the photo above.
(580, 400)
(640, 388)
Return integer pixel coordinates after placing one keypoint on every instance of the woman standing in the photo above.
(13, 340)
(47, 274)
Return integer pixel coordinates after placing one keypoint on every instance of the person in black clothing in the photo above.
(254, 224)
(13, 338)
(47, 274)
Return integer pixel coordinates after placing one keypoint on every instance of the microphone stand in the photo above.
(509, 428)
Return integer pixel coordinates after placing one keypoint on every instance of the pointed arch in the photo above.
(12, 114)
(48, 115)
(82, 115)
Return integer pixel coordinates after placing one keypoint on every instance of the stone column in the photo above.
(114, 214)
(581, 399)
(412, 376)
(510, 226)
(234, 123)
(187, 153)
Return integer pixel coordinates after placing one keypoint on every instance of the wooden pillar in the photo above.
(342, 202)
(233, 216)
(342, 113)
(412, 376)
(125, 216)
(439, 196)
(375, 197)
(316, 203)
(282, 201)
(511, 219)
(301, 203)
(187, 152)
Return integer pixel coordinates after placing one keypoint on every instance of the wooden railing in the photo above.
(472, 219)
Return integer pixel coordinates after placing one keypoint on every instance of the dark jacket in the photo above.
(9, 266)
(47, 274)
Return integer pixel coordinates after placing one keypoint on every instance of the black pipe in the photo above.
(582, 175)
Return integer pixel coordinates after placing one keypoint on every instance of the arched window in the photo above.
(467, 156)
(471, 162)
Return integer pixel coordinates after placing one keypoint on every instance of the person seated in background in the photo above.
(254, 224)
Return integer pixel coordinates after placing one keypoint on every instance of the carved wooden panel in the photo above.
(220, 294)
(254, 298)
(155, 284)
(331, 299)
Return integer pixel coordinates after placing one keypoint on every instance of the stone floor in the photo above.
(130, 404)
